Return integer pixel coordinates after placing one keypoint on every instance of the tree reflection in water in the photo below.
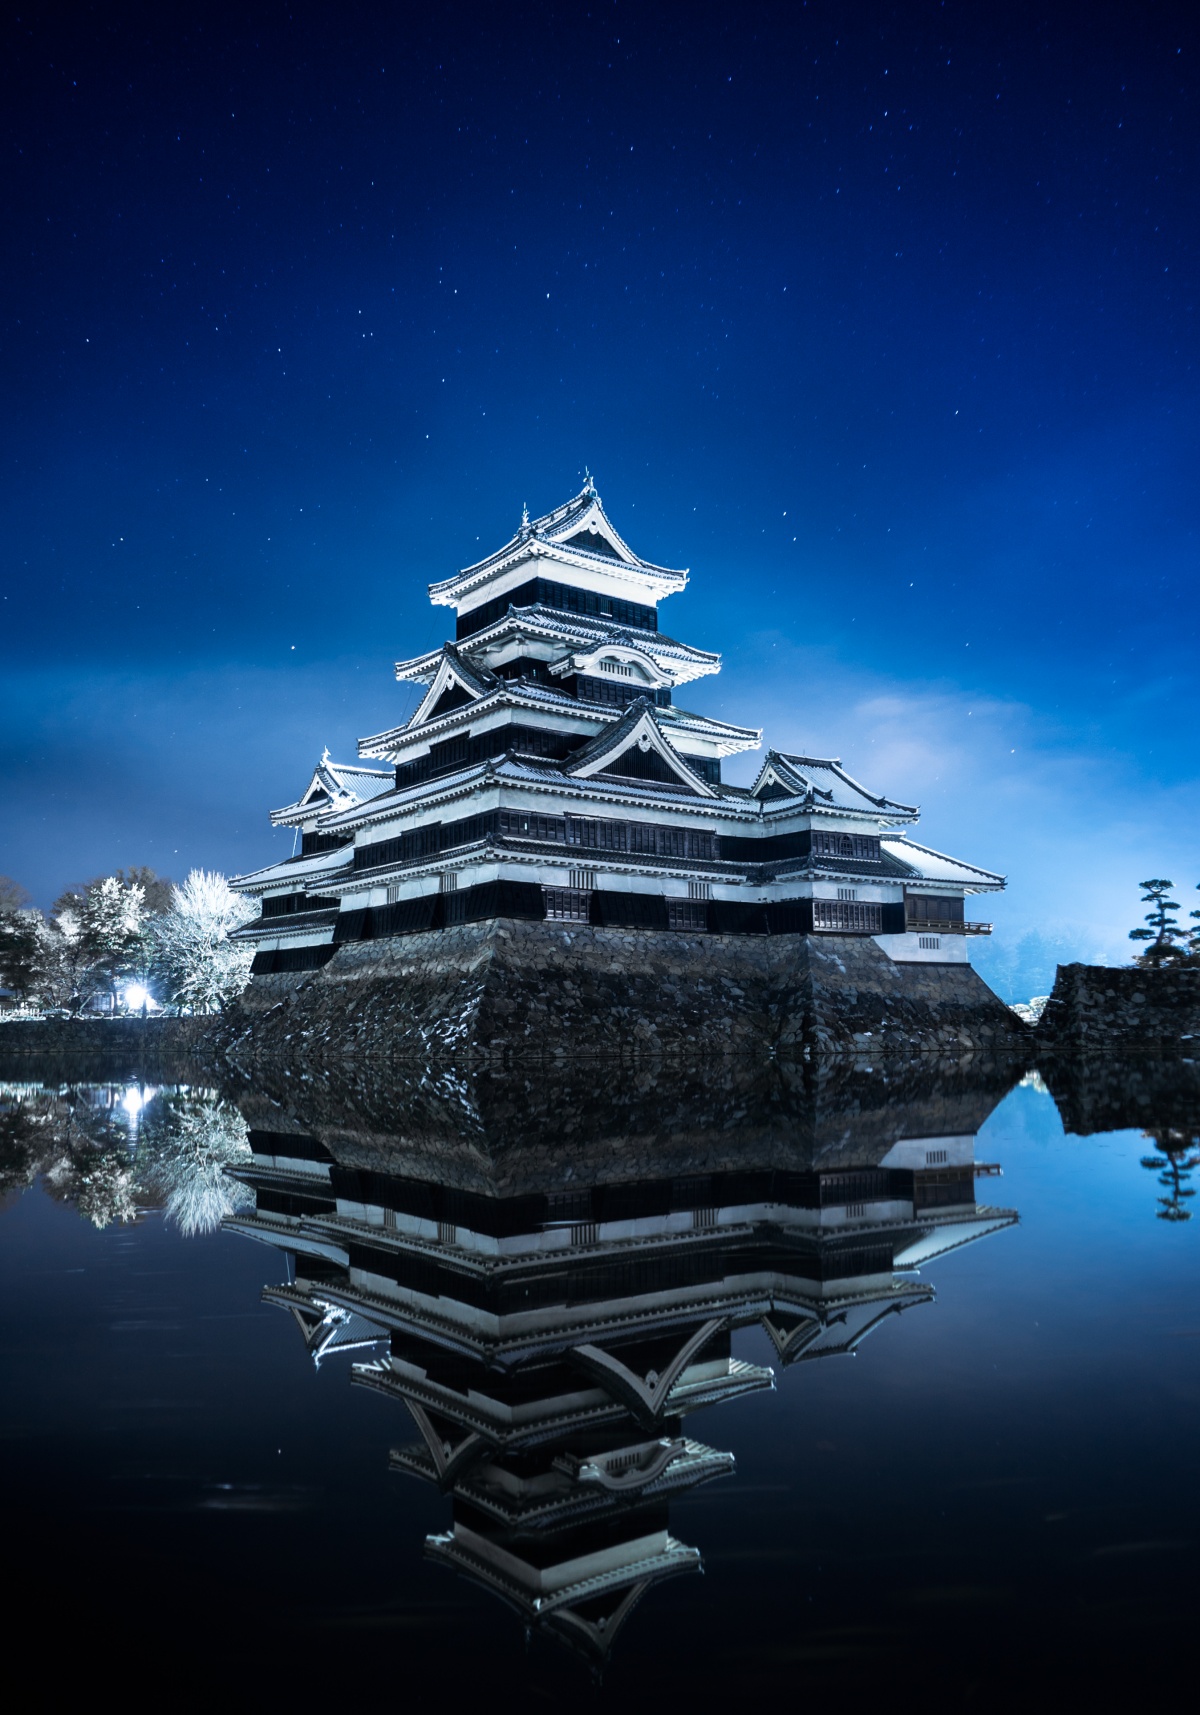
(1176, 1162)
(116, 1150)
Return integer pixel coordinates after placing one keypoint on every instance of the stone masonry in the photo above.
(1097, 1005)
(506, 990)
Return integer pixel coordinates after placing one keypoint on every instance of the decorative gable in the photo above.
(455, 684)
(635, 748)
(778, 781)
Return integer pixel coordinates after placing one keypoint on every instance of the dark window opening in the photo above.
(291, 959)
(566, 598)
(465, 751)
(932, 908)
(774, 848)
(862, 847)
(568, 904)
(690, 914)
(582, 833)
(311, 844)
(287, 904)
(613, 694)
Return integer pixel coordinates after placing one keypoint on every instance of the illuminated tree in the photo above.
(198, 967)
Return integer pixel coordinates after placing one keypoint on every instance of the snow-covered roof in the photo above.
(528, 694)
(453, 670)
(927, 865)
(296, 872)
(579, 533)
(555, 625)
(334, 784)
(824, 782)
(636, 729)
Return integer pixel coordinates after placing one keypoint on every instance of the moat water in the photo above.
(873, 1382)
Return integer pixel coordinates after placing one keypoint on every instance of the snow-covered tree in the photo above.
(113, 927)
(20, 944)
(186, 1146)
(196, 964)
(65, 965)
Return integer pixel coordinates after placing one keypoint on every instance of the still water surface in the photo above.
(619, 1392)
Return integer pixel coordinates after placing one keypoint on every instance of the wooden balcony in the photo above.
(944, 926)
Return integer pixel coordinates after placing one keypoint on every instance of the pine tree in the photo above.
(1164, 933)
(1175, 1167)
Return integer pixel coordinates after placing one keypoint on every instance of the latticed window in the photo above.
(848, 917)
(691, 914)
(567, 904)
(932, 908)
(863, 847)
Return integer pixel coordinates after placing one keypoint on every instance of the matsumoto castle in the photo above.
(551, 773)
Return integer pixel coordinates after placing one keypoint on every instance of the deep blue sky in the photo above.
(881, 319)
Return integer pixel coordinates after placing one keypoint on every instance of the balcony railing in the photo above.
(943, 926)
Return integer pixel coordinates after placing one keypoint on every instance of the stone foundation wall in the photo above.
(1093, 1005)
(513, 991)
(144, 1038)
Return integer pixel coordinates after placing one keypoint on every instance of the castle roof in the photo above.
(636, 731)
(578, 536)
(923, 863)
(542, 623)
(822, 782)
(334, 785)
(492, 694)
(297, 872)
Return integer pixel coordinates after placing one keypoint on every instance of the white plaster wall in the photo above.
(907, 950)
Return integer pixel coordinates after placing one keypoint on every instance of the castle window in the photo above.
(567, 905)
(863, 848)
(688, 914)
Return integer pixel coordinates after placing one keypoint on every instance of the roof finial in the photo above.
(325, 754)
(524, 517)
(589, 487)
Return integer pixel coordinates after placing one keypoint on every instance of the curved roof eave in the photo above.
(985, 880)
(551, 533)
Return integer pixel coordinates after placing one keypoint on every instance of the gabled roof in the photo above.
(524, 694)
(924, 864)
(454, 672)
(822, 782)
(571, 630)
(636, 729)
(334, 786)
(579, 532)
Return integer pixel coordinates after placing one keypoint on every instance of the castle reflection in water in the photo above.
(548, 1279)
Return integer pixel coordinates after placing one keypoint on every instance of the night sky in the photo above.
(880, 319)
